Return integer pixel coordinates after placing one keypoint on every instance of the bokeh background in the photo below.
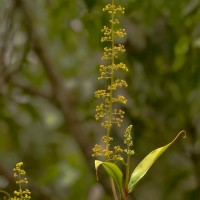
(50, 51)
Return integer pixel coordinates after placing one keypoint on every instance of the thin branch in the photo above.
(30, 89)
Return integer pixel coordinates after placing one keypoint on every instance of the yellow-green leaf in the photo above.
(146, 163)
(113, 171)
(97, 164)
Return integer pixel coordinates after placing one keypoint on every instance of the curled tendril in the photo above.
(180, 133)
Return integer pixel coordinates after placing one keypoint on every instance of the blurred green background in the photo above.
(50, 51)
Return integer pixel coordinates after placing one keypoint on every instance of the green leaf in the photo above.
(113, 171)
(97, 164)
(146, 163)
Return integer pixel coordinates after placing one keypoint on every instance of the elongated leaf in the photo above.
(113, 171)
(97, 164)
(146, 163)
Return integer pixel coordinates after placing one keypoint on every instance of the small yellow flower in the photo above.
(120, 33)
(19, 173)
(114, 21)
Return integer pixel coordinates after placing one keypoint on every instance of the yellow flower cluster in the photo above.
(120, 33)
(117, 83)
(106, 71)
(109, 53)
(113, 9)
(114, 21)
(114, 154)
(101, 93)
(19, 173)
(108, 111)
(108, 32)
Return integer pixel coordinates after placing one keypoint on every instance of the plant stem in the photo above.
(111, 82)
(127, 173)
(113, 189)
(111, 104)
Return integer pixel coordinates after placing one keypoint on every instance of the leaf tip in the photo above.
(97, 163)
(183, 132)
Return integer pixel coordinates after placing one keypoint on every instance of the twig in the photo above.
(30, 89)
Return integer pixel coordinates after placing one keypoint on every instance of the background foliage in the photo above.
(49, 56)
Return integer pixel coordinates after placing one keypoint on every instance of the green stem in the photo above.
(20, 186)
(111, 105)
(111, 82)
(127, 172)
(113, 189)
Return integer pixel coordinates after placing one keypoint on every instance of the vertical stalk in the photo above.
(127, 172)
(111, 103)
(20, 186)
(113, 189)
(111, 82)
